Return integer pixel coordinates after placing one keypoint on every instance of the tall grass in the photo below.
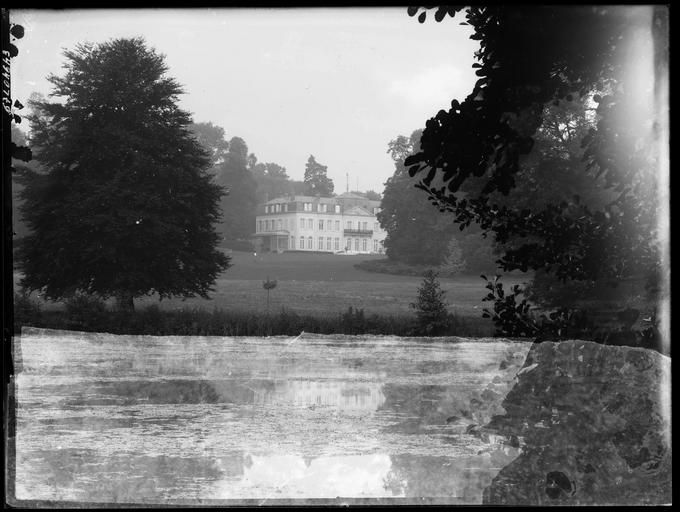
(93, 316)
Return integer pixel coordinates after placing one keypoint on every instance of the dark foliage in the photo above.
(417, 233)
(125, 206)
(531, 57)
(516, 318)
(155, 321)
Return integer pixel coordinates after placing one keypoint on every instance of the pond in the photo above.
(207, 420)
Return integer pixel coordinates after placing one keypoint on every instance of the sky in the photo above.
(338, 83)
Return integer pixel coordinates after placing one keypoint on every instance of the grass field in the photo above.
(324, 283)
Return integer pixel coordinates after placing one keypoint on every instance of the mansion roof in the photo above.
(339, 199)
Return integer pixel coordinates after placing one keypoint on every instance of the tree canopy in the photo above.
(238, 207)
(316, 179)
(272, 181)
(211, 138)
(124, 206)
(416, 232)
(530, 58)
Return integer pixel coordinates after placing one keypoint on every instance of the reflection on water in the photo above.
(338, 394)
(126, 419)
(292, 476)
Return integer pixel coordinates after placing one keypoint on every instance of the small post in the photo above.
(268, 285)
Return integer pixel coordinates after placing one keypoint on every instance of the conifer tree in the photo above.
(430, 306)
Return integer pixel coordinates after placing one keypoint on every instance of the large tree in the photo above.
(272, 181)
(211, 138)
(531, 57)
(416, 232)
(20, 169)
(238, 207)
(528, 58)
(316, 179)
(125, 207)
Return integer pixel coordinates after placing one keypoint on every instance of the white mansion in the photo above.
(345, 223)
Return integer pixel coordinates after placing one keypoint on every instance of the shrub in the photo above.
(26, 310)
(353, 321)
(83, 309)
(433, 317)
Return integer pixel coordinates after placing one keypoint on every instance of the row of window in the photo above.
(307, 207)
(333, 244)
(328, 225)
(275, 208)
(273, 225)
(361, 225)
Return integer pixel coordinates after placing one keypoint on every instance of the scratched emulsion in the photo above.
(143, 419)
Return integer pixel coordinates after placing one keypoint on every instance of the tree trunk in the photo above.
(126, 302)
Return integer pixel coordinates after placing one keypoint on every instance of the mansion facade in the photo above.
(346, 223)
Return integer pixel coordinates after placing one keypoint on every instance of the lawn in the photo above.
(326, 284)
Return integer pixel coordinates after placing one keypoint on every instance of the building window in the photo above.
(307, 207)
(259, 225)
(302, 223)
(321, 243)
(356, 244)
(337, 225)
(277, 208)
(337, 208)
(349, 224)
(365, 226)
(348, 244)
(337, 244)
(266, 225)
(285, 207)
(266, 209)
(375, 246)
(323, 208)
(328, 243)
(310, 223)
(278, 224)
(365, 245)
(302, 242)
(320, 225)
(309, 242)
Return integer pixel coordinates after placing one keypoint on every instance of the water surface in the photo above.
(143, 419)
